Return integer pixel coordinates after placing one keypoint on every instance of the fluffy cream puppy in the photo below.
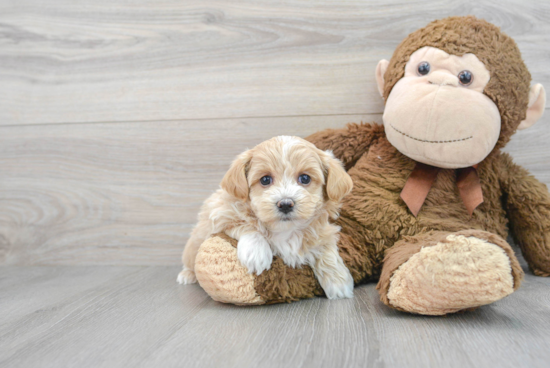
(278, 199)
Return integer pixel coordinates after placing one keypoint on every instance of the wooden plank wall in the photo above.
(117, 119)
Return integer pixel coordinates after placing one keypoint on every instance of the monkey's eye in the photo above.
(465, 77)
(423, 68)
(304, 179)
(266, 180)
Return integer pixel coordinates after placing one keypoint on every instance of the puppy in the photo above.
(278, 199)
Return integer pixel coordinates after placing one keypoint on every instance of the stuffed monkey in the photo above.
(434, 196)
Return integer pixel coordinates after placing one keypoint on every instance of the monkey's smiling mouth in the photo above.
(427, 141)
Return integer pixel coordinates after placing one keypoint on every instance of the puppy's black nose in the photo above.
(285, 205)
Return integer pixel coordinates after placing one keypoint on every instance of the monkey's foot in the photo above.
(225, 279)
(441, 273)
(221, 274)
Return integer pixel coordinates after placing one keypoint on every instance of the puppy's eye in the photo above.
(423, 68)
(266, 180)
(304, 179)
(465, 77)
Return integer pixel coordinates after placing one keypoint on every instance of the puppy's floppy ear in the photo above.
(234, 182)
(339, 183)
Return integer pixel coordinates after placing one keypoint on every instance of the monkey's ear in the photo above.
(535, 108)
(234, 182)
(339, 183)
(380, 71)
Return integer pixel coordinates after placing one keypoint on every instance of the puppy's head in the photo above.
(288, 181)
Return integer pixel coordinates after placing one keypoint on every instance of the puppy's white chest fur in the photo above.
(288, 246)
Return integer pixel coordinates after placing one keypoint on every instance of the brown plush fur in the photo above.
(282, 284)
(374, 218)
(527, 204)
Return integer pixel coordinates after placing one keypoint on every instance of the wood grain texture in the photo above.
(66, 316)
(75, 191)
(129, 193)
(68, 61)
(119, 193)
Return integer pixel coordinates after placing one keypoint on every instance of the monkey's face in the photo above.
(437, 113)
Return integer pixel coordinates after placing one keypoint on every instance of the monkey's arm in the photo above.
(528, 207)
(350, 143)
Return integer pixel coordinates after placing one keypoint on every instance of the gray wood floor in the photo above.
(117, 119)
(137, 316)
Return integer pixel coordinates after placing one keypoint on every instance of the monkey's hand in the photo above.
(544, 271)
(528, 208)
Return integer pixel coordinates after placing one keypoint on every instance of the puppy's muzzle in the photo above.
(285, 205)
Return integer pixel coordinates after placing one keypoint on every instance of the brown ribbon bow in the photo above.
(420, 182)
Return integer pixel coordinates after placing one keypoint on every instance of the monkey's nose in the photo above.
(443, 79)
(285, 205)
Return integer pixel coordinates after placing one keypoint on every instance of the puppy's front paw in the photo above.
(339, 289)
(333, 275)
(254, 253)
(337, 283)
(186, 276)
